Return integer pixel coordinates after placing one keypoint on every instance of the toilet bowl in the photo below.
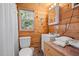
(25, 47)
(26, 52)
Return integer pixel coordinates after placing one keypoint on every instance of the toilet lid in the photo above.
(26, 52)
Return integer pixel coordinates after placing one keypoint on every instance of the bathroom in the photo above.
(39, 29)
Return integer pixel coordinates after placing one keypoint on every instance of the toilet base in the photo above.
(26, 52)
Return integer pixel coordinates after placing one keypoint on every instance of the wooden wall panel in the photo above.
(72, 31)
(65, 7)
(67, 27)
(51, 28)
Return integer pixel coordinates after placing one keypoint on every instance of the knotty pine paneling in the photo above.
(67, 27)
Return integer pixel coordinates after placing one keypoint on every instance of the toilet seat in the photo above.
(26, 52)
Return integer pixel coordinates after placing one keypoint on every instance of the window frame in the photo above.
(20, 20)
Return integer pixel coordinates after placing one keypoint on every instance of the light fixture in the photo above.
(54, 4)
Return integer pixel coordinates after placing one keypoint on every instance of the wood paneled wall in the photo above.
(51, 28)
(38, 27)
(69, 21)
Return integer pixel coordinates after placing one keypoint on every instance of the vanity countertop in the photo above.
(67, 50)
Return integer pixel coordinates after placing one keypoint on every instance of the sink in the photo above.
(47, 37)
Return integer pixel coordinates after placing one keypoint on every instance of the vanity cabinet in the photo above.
(50, 51)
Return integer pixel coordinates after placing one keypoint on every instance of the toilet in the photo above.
(25, 47)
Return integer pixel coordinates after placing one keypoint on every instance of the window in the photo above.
(26, 20)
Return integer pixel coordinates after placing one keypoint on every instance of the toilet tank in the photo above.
(25, 42)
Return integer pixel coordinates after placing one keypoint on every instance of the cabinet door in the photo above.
(50, 51)
(54, 52)
(47, 51)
